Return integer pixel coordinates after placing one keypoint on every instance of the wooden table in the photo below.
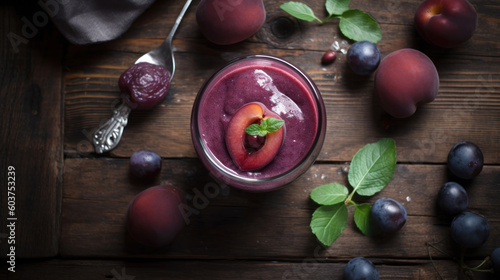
(71, 202)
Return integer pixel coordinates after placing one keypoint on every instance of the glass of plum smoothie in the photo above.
(263, 91)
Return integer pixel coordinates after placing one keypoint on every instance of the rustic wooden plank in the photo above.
(31, 137)
(470, 84)
(156, 22)
(308, 268)
(466, 104)
(236, 224)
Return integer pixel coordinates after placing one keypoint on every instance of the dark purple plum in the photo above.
(226, 22)
(145, 164)
(465, 160)
(388, 215)
(154, 216)
(453, 198)
(363, 57)
(495, 261)
(360, 268)
(470, 230)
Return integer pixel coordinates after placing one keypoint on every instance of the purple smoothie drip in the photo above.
(278, 91)
(144, 85)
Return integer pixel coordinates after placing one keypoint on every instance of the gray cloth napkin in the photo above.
(92, 21)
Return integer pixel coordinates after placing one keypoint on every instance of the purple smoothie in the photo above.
(283, 91)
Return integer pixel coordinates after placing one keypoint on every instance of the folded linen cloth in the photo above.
(92, 21)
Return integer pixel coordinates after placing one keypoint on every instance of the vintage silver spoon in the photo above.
(108, 135)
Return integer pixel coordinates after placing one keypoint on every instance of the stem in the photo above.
(348, 200)
(441, 251)
(330, 16)
(432, 261)
(479, 265)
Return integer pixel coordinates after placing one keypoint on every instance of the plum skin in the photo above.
(360, 268)
(453, 198)
(495, 261)
(404, 79)
(470, 230)
(446, 23)
(465, 160)
(388, 215)
(154, 217)
(145, 164)
(225, 22)
(363, 57)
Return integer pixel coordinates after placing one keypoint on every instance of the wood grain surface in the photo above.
(71, 202)
(32, 121)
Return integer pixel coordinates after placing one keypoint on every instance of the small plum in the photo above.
(154, 217)
(452, 198)
(495, 261)
(446, 23)
(226, 22)
(145, 164)
(363, 57)
(404, 79)
(465, 160)
(360, 268)
(470, 229)
(388, 215)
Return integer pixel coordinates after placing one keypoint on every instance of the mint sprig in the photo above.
(354, 24)
(371, 169)
(266, 126)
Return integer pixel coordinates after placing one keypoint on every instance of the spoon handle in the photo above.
(178, 21)
(108, 135)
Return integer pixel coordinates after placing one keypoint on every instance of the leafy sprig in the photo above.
(266, 126)
(371, 169)
(354, 24)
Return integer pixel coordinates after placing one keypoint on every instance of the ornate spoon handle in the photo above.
(107, 136)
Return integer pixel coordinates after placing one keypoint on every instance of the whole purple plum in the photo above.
(404, 79)
(226, 22)
(154, 217)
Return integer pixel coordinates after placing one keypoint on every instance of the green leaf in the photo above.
(329, 194)
(372, 167)
(337, 7)
(254, 129)
(360, 26)
(268, 125)
(328, 222)
(362, 218)
(299, 10)
(272, 125)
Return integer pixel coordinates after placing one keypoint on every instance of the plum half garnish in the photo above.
(144, 85)
(254, 136)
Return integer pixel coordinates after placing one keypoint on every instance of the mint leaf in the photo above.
(359, 26)
(336, 7)
(328, 222)
(266, 126)
(299, 10)
(272, 124)
(372, 167)
(329, 194)
(255, 129)
(362, 218)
